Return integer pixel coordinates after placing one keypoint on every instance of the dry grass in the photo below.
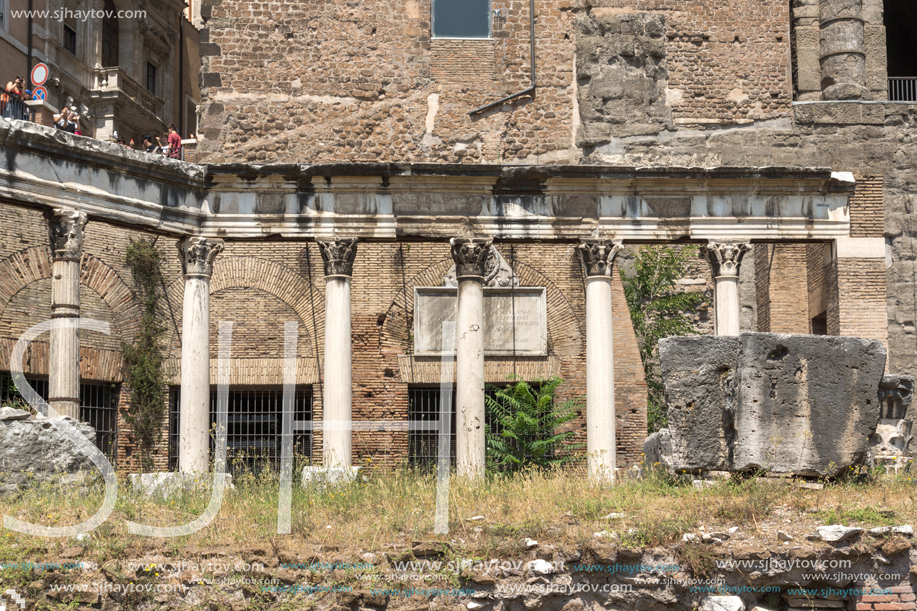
(393, 509)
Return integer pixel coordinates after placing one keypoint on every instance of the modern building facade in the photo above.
(129, 67)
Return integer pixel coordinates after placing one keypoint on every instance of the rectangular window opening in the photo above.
(70, 39)
(151, 78)
(254, 427)
(461, 19)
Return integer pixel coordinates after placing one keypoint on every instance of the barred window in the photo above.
(254, 426)
(424, 405)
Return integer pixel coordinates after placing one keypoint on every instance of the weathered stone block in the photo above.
(35, 452)
(806, 404)
(657, 450)
(697, 373)
(801, 404)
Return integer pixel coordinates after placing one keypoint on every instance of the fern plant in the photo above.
(657, 310)
(527, 421)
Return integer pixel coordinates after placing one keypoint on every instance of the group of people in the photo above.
(68, 120)
(169, 144)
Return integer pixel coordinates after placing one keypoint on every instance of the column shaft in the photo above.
(337, 447)
(600, 380)
(194, 448)
(597, 258)
(338, 256)
(725, 259)
(197, 255)
(470, 256)
(469, 354)
(726, 314)
(64, 366)
(66, 227)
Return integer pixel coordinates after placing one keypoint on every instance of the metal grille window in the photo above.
(98, 407)
(423, 444)
(253, 436)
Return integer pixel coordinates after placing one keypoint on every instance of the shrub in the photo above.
(527, 422)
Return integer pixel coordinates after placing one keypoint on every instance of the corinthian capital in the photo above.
(470, 256)
(67, 227)
(725, 257)
(598, 256)
(197, 255)
(338, 256)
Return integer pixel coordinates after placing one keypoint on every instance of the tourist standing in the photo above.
(174, 143)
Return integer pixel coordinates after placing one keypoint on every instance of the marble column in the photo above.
(724, 259)
(67, 227)
(337, 445)
(597, 258)
(197, 256)
(470, 255)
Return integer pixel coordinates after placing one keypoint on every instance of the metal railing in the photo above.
(902, 89)
(14, 107)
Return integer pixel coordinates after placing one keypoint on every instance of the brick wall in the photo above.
(781, 286)
(867, 209)
(902, 598)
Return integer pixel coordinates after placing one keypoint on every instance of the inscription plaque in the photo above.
(435, 305)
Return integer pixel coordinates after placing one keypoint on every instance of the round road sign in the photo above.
(40, 93)
(40, 74)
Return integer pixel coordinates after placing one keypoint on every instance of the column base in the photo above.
(167, 484)
(333, 476)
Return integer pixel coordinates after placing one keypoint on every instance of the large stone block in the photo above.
(697, 372)
(807, 404)
(35, 452)
(802, 404)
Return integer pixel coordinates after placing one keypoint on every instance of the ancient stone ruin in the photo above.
(794, 404)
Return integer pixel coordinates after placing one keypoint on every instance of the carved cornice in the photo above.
(725, 257)
(338, 256)
(598, 256)
(67, 225)
(197, 255)
(470, 256)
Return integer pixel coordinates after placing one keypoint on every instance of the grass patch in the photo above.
(393, 509)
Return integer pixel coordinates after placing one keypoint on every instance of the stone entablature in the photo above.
(383, 201)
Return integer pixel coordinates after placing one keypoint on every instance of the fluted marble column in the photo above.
(597, 258)
(337, 444)
(67, 227)
(197, 256)
(470, 255)
(724, 259)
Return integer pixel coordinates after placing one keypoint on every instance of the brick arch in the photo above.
(233, 272)
(32, 264)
